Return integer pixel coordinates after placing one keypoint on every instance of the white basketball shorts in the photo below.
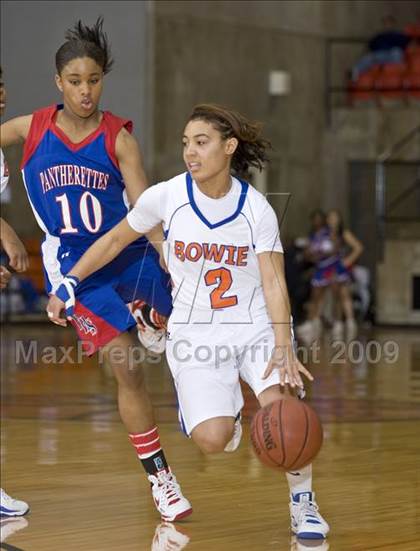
(207, 361)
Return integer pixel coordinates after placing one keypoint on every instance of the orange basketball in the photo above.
(286, 434)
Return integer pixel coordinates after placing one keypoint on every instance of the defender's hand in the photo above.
(63, 298)
(54, 308)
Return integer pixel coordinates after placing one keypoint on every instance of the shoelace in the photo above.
(308, 508)
(169, 487)
(7, 500)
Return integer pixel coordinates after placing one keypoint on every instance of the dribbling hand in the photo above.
(285, 360)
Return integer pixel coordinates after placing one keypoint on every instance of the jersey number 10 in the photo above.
(88, 202)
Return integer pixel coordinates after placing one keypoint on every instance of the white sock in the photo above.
(300, 481)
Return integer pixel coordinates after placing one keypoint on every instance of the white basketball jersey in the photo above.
(211, 248)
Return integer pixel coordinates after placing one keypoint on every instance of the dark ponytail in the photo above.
(84, 41)
(252, 147)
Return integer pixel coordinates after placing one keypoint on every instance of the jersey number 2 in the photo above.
(92, 220)
(223, 277)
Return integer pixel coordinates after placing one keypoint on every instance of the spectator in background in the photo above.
(387, 46)
(412, 30)
(333, 250)
(296, 267)
(347, 249)
(318, 252)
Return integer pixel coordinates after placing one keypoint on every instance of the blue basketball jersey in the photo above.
(76, 190)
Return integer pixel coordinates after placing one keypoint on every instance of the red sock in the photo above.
(149, 450)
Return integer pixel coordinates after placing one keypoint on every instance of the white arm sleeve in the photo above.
(149, 209)
(267, 234)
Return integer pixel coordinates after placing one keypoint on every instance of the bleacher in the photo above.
(391, 81)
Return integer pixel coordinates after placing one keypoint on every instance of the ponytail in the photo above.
(252, 147)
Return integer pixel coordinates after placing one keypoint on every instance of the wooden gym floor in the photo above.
(64, 450)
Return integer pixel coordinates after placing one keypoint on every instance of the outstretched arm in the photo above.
(97, 256)
(15, 131)
(145, 215)
(356, 248)
(104, 250)
(284, 358)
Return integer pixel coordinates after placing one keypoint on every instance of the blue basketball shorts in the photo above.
(101, 311)
(327, 273)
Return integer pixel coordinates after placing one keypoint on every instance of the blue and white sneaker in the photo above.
(10, 507)
(306, 521)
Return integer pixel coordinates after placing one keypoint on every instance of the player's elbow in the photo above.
(120, 237)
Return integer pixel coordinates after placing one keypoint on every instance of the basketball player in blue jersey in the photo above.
(230, 301)
(82, 168)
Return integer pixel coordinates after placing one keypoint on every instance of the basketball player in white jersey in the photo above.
(13, 246)
(18, 260)
(231, 312)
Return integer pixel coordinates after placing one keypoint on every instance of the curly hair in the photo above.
(252, 147)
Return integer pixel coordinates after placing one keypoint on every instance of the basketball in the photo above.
(286, 434)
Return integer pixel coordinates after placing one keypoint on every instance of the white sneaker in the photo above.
(337, 331)
(10, 525)
(306, 521)
(168, 538)
(151, 338)
(317, 328)
(308, 545)
(351, 329)
(10, 507)
(233, 444)
(305, 332)
(309, 331)
(168, 498)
